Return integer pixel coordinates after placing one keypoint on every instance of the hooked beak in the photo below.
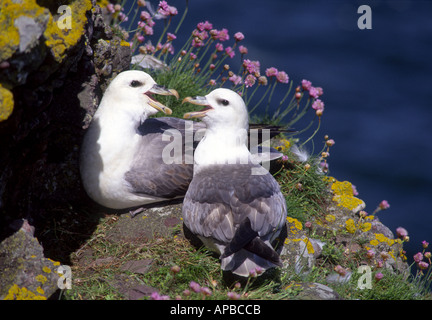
(200, 101)
(160, 90)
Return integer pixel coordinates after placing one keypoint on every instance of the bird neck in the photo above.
(228, 146)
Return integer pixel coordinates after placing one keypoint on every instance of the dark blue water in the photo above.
(377, 89)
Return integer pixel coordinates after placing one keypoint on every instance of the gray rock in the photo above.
(25, 273)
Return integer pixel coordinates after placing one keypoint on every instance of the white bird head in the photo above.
(221, 107)
(133, 90)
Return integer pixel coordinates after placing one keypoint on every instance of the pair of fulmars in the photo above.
(234, 212)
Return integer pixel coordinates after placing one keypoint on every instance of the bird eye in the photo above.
(135, 83)
(223, 102)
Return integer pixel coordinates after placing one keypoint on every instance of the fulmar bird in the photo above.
(233, 206)
(121, 160)
(126, 157)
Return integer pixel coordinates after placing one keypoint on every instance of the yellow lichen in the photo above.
(344, 195)
(41, 278)
(350, 226)
(309, 245)
(330, 218)
(294, 225)
(380, 238)
(58, 40)
(46, 269)
(17, 293)
(6, 103)
(9, 35)
(365, 226)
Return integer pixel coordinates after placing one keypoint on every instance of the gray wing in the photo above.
(219, 200)
(163, 164)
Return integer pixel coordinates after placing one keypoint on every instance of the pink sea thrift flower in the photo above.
(171, 37)
(243, 50)
(425, 244)
(252, 67)
(235, 79)
(401, 232)
(145, 15)
(206, 291)
(313, 92)
(230, 52)
(219, 47)
(156, 296)
(418, 257)
(282, 77)
(423, 265)
(384, 205)
(233, 295)
(239, 36)
(271, 72)
(166, 10)
(378, 276)
(195, 286)
(250, 80)
(306, 85)
(318, 105)
(204, 26)
(223, 35)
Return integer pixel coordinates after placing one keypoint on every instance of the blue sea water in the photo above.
(377, 89)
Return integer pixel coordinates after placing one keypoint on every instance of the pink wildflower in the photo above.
(212, 82)
(110, 8)
(238, 36)
(171, 37)
(282, 77)
(313, 92)
(378, 276)
(428, 255)
(204, 26)
(318, 105)
(401, 232)
(193, 56)
(418, 257)
(306, 85)
(197, 42)
(219, 47)
(148, 30)
(166, 10)
(425, 244)
(140, 38)
(206, 291)
(340, 270)
(195, 286)
(423, 265)
(235, 79)
(145, 16)
(252, 67)
(243, 50)
(223, 35)
(271, 72)
(370, 254)
(262, 80)
(156, 296)
(330, 142)
(384, 205)
(230, 52)
(233, 295)
(250, 80)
